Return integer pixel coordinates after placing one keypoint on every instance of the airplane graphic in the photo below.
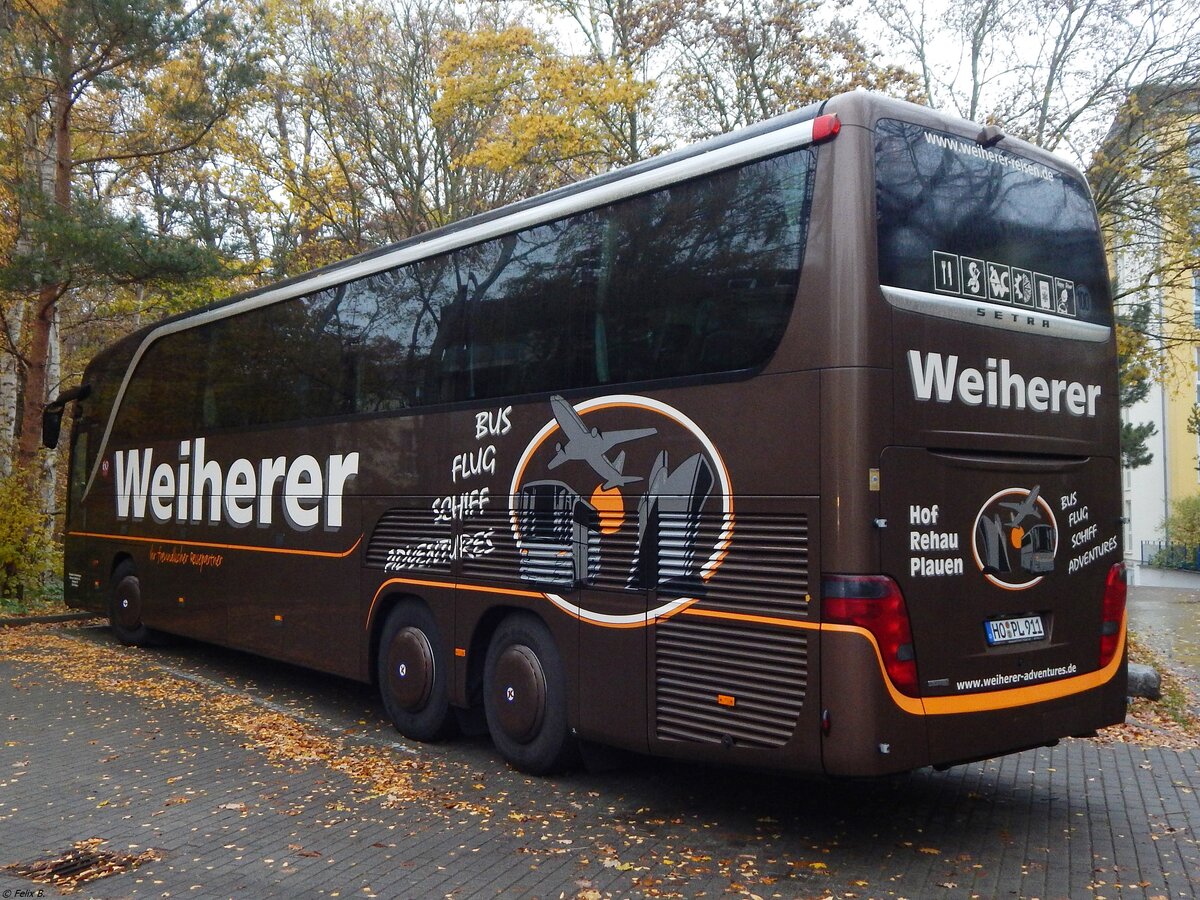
(1024, 509)
(592, 446)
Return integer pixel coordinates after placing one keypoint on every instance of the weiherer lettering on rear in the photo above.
(996, 385)
(194, 489)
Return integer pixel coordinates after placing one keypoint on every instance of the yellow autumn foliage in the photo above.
(543, 106)
(24, 543)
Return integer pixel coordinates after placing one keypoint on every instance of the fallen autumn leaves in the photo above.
(639, 847)
(279, 736)
(631, 848)
(84, 862)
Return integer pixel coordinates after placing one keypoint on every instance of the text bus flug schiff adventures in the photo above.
(796, 448)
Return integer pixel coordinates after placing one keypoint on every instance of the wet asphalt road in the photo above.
(1168, 621)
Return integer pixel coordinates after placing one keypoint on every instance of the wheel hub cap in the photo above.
(524, 699)
(411, 668)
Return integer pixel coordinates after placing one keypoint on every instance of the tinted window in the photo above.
(401, 327)
(279, 363)
(103, 375)
(701, 277)
(957, 219)
(530, 296)
(163, 398)
(79, 469)
(696, 279)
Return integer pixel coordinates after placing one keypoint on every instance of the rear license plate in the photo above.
(1013, 631)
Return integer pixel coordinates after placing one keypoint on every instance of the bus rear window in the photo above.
(959, 220)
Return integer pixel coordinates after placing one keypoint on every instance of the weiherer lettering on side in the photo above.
(242, 494)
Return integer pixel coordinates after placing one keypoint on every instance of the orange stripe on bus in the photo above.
(327, 554)
(990, 700)
(511, 592)
(419, 582)
(935, 706)
(745, 617)
(942, 706)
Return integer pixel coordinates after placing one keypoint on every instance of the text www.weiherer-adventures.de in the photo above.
(975, 684)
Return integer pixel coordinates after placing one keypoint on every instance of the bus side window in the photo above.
(79, 469)
(164, 392)
(703, 275)
(528, 307)
(208, 407)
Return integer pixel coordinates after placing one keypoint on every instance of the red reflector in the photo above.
(874, 602)
(826, 128)
(1115, 591)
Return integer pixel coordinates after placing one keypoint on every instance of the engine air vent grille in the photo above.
(717, 682)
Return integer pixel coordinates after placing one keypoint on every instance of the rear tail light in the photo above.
(1114, 613)
(874, 602)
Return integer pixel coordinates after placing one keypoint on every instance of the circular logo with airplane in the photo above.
(624, 491)
(1015, 538)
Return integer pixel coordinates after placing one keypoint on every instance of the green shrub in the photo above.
(25, 545)
(1183, 524)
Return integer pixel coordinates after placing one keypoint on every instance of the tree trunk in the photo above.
(34, 398)
(9, 384)
(41, 325)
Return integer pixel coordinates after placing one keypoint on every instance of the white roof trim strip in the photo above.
(790, 137)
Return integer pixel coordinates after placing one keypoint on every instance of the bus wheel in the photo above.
(525, 696)
(125, 607)
(413, 676)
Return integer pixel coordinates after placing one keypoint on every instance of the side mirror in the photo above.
(53, 413)
(51, 426)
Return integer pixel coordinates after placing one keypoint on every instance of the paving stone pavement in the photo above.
(226, 818)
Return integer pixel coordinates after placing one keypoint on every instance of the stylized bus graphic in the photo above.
(559, 534)
(1037, 549)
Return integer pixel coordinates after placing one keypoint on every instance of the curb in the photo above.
(46, 620)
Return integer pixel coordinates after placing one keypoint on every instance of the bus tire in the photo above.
(414, 674)
(125, 607)
(525, 696)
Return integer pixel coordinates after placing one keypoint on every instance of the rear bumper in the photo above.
(876, 730)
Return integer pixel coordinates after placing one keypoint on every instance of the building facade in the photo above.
(1154, 229)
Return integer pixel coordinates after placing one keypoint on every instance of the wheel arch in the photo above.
(119, 559)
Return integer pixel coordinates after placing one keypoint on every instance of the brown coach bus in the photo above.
(796, 448)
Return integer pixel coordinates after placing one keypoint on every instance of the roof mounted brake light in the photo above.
(825, 128)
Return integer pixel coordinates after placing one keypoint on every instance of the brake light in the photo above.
(825, 128)
(874, 602)
(1115, 590)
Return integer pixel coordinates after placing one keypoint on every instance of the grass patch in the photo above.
(37, 600)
